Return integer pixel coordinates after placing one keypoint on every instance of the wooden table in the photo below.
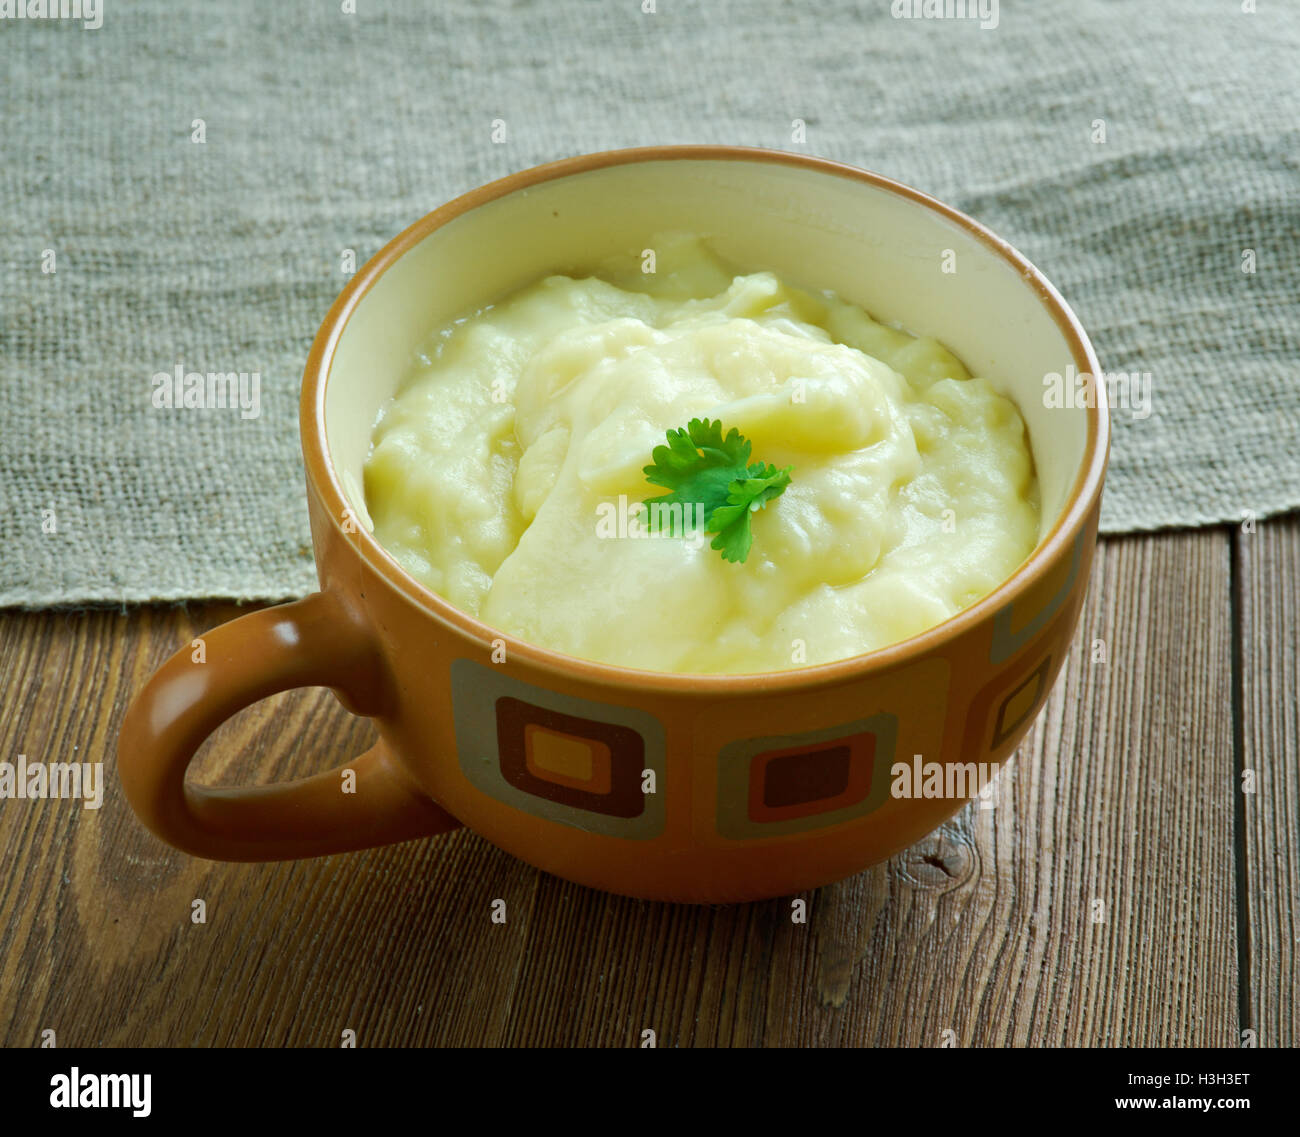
(1122, 892)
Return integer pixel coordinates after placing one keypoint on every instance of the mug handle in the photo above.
(310, 642)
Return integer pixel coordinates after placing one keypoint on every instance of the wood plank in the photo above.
(987, 928)
(1268, 563)
(984, 929)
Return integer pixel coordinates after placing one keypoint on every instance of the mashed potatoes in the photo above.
(494, 471)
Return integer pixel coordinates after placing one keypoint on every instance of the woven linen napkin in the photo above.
(181, 181)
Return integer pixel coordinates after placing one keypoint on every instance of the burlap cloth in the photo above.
(328, 131)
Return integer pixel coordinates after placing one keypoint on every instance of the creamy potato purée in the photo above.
(913, 492)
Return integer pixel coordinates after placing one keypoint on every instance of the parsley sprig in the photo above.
(701, 466)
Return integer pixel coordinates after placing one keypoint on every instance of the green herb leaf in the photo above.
(702, 466)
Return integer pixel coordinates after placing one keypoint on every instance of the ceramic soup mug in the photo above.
(665, 786)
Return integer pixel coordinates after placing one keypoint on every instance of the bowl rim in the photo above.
(325, 480)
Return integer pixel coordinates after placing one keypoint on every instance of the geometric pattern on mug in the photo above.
(1020, 621)
(595, 766)
(556, 756)
(1008, 703)
(773, 786)
(1019, 704)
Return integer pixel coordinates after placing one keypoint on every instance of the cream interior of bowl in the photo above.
(817, 229)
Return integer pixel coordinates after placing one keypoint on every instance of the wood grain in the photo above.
(1268, 564)
(1122, 794)
(990, 928)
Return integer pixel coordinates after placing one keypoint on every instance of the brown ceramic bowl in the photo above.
(761, 785)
